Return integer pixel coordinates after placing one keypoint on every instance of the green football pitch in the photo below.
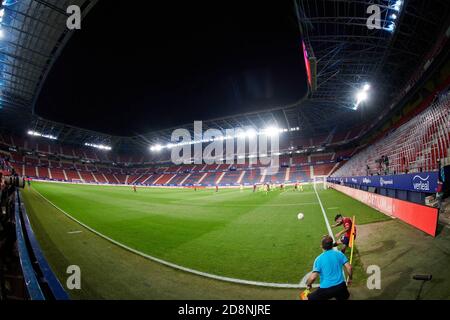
(231, 233)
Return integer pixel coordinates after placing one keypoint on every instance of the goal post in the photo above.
(320, 182)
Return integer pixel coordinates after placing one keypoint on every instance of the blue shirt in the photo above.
(329, 266)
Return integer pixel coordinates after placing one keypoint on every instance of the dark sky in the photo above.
(133, 69)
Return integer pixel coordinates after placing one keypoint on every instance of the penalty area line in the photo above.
(172, 265)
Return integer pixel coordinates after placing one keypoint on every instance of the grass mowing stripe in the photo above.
(175, 266)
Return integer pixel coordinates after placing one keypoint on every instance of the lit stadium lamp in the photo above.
(361, 96)
(240, 134)
(38, 134)
(98, 146)
(251, 133)
(158, 147)
(390, 27)
(271, 131)
(397, 5)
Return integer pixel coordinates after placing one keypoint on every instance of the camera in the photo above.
(16, 181)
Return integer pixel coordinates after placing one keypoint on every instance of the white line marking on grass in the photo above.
(305, 278)
(175, 266)
(324, 215)
(326, 221)
(74, 232)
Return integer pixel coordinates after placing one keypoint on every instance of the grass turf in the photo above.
(244, 235)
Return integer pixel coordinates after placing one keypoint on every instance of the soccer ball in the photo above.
(300, 216)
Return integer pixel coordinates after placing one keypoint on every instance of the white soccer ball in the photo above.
(300, 216)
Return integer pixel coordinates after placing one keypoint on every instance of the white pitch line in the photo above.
(324, 215)
(305, 278)
(74, 232)
(326, 221)
(175, 266)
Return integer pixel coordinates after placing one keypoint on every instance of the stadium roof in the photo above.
(348, 55)
(33, 34)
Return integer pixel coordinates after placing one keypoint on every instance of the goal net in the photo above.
(320, 182)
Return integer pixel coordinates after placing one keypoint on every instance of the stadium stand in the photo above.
(231, 177)
(300, 159)
(323, 169)
(87, 176)
(300, 174)
(72, 175)
(410, 147)
(178, 179)
(174, 175)
(58, 174)
(414, 146)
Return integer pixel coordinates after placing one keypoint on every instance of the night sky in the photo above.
(133, 69)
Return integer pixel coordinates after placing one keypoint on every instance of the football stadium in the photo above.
(295, 150)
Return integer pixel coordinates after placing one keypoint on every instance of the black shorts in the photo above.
(345, 240)
(338, 292)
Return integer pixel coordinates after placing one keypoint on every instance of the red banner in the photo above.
(422, 217)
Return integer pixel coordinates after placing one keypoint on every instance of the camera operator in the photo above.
(8, 187)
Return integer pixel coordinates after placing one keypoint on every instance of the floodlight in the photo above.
(398, 5)
(251, 133)
(38, 134)
(98, 146)
(361, 96)
(271, 131)
(391, 27)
